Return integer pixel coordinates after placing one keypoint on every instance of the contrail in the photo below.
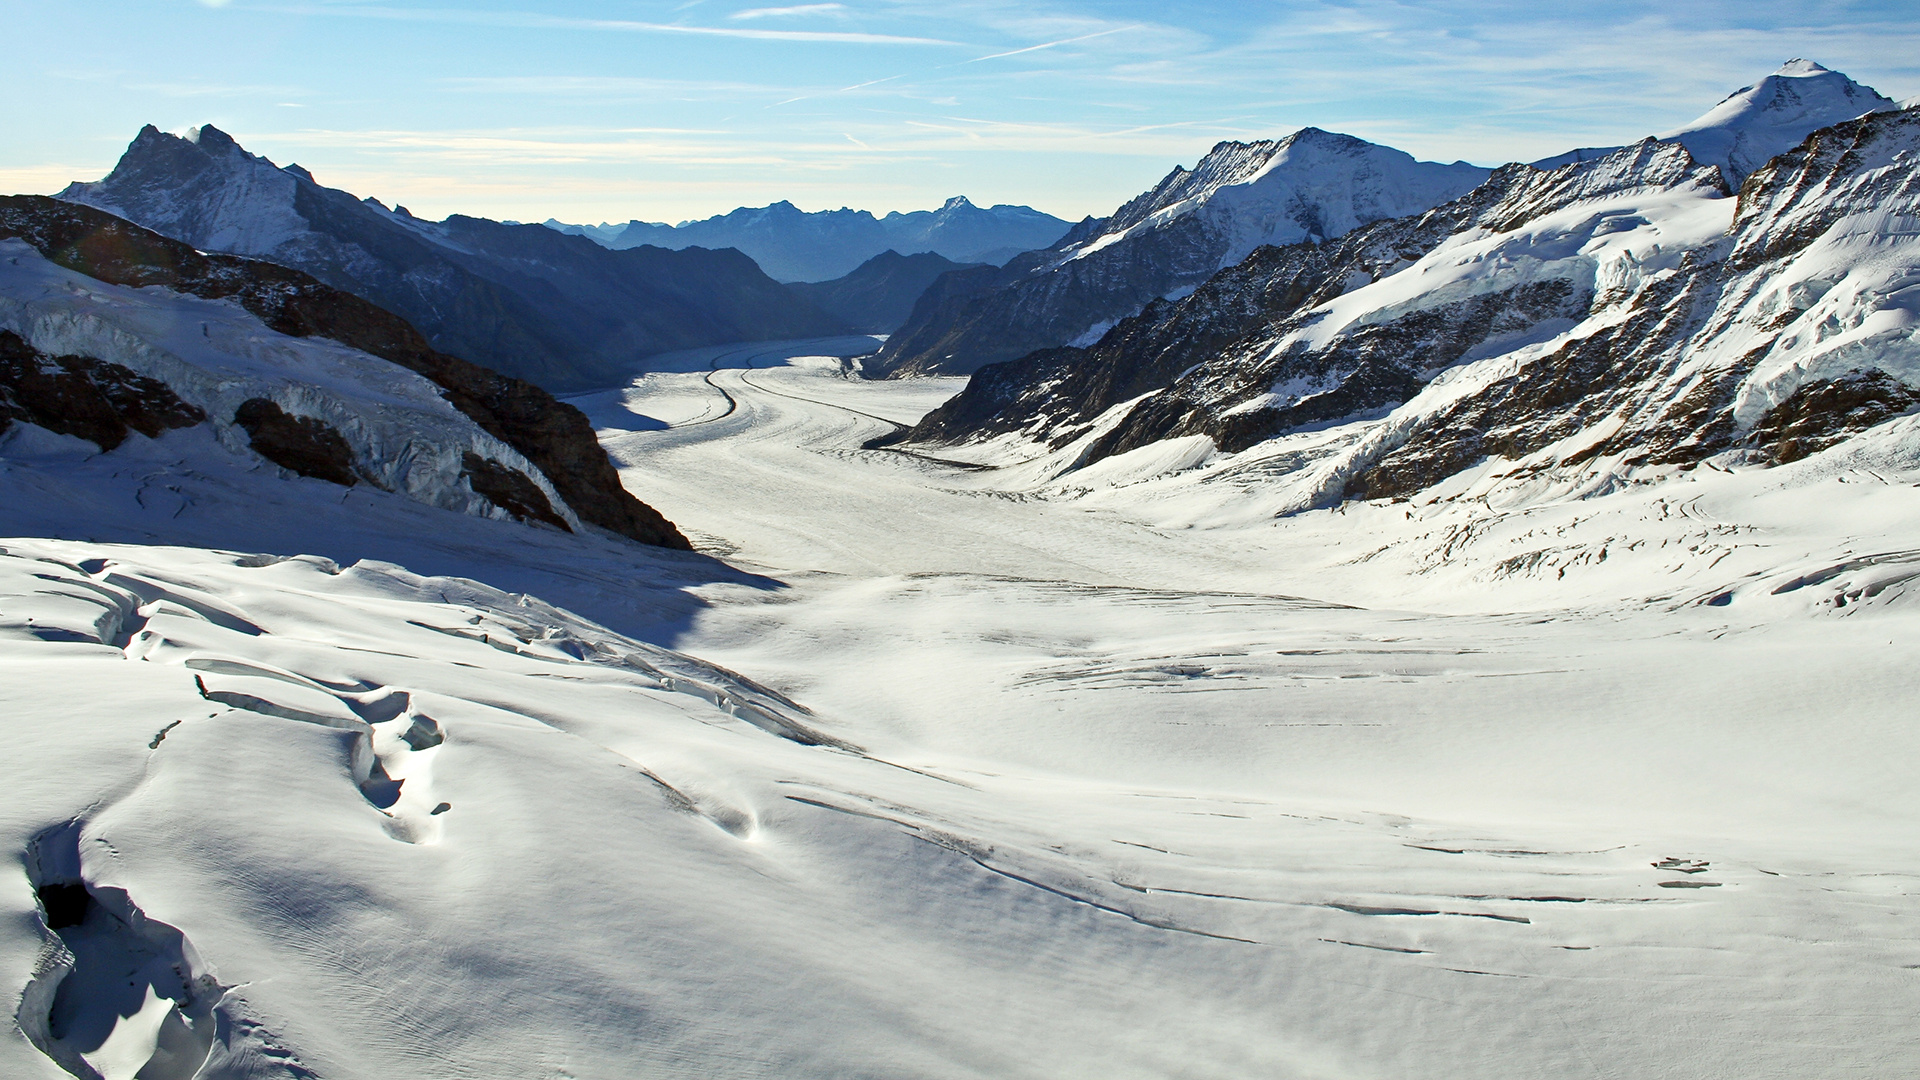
(1051, 44)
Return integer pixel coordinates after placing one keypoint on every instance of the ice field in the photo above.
(924, 769)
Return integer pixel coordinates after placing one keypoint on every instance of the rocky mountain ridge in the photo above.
(524, 300)
(879, 294)
(793, 245)
(1309, 186)
(1591, 319)
(107, 328)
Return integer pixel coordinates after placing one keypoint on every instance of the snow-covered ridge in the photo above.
(1310, 185)
(1770, 117)
(1582, 324)
(404, 435)
(559, 311)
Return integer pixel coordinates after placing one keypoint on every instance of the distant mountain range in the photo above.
(559, 311)
(1615, 310)
(793, 245)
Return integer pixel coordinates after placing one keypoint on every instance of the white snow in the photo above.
(1773, 115)
(1126, 781)
(215, 355)
(1310, 185)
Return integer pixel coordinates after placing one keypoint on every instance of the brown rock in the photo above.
(555, 436)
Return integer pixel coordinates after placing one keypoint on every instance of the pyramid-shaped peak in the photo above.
(1756, 122)
(955, 203)
(1798, 68)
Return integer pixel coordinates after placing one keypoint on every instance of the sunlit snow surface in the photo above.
(952, 772)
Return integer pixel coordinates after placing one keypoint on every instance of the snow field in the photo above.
(956, 773)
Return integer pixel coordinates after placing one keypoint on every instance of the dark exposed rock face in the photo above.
(1822, 413)
(555, 436)
(81, 396)
(880, 293)
(557, 310)
(1037, 301)
(299, 444)
(1311, 185)
(1677, 366)
(510, 490)
(1561, 394)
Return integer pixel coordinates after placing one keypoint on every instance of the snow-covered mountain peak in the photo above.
(1770, 117)
(1309, 185)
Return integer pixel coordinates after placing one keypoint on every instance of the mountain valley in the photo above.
(1339, 615)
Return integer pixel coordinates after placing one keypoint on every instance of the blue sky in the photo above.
(612, 109)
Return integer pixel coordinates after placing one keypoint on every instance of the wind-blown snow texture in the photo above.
(1312, 184)
(971, 782)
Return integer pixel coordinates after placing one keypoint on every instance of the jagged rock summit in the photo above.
(1759, 122)
(524, 300)
(1310, 185)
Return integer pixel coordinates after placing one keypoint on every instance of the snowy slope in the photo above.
(112, 329)
(1586, 754)
(1310, 333)
(1588, 320)
(1311, 185)
(1770, 117)
(403, 435)
(969, 782)
(558, 311)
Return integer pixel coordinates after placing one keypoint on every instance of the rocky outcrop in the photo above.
(555, 437)
(559, 311)
(878, 295)
(1793, 331)
(510, 490)
(1821, 413)
(87, 398)
(303, 445)
(1311, 186)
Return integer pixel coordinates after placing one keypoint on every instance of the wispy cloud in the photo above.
(798, 11)
(611, 86)
(536, 21)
